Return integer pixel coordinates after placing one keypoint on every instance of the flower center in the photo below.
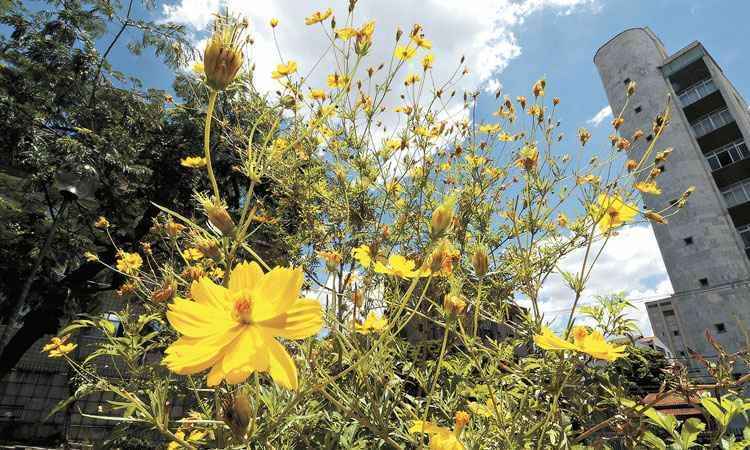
(243, 306)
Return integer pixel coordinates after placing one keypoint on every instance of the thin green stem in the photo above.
(207, 141)
(426, 412)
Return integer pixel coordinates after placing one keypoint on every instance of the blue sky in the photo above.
(513, 42)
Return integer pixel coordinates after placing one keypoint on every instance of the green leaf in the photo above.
(711, 405)
(653, 441)
(690, 431)
(667, 423)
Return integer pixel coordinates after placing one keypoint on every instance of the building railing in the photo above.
(745, 235)
(711, 122)
(737, 193)
(696, 92)
(728, 154)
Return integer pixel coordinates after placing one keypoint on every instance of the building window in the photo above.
(745, 235)
(720, 328)
(688, 240)
(638, 109)
(676, 332)
(668, 312)
(728, 154)
(711, 121)
(703, 281)
(737, 193)
(696, 92)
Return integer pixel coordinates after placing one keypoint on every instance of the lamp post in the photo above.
(70, 185)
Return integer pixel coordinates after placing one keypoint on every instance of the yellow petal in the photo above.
(192, 355)
(245, 276)
(419, 426)
(208, 293)
(276, 292)
(197, 320)
(303, 319)
(248, 350)
(215, 376)
(281, 367)
(549, 341)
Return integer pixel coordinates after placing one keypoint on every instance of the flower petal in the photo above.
(419, 426)
(206, 292)
(549, 341)
(245, 276)
(303, 319)
(198, 320)
(248, 352)
(281, 366)
(276, 292)
(192, 355)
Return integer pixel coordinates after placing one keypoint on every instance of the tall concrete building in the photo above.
(706, 246)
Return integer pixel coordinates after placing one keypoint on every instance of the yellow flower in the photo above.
(363, 255)
(318, 17)
(232, 329)
(611, 212)
(337, 81)
(489, 128)
(283, 70)
(428, 61)
(648, 187)
(317, 94)
(192, 254)
(442, 438)
(193, 162)
(562, 220)
(398, 266)
(101, 223)
(129, 263)
(173, 228)
(274, 22)
(505, 137)
(332, 259)
(57, 347)
(528, 157)
(405, 52)
(421, 41)
(411, 79)
(346, 33)
(587, 179)
(371, 324)
(592, 343)
(90, 257)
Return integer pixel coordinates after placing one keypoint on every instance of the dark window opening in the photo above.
(703, 281)
(638, 109)
(688, 240)
(676, 332)
(668, 312)
(720, 328)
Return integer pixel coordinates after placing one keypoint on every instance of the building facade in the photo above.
(706, 245)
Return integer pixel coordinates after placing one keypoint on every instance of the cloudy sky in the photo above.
(508, 44)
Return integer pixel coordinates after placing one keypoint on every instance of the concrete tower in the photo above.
(706, 245)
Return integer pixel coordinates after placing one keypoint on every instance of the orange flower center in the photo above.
(243, 306)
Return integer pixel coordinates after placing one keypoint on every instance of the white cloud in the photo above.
(600, 116)
(492, 86)
(481, 30)
(630, 263)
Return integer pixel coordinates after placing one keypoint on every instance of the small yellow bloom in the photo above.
(454, 304)
(505, 137)
(371, 325)
(274, 22)
(193, 162)
(318, 94)
(421, 41)
(363, 255)
(173, 228)
(399, 266)
(611, 211)
(331, 259)
(528, 157)
(592, 343)
(58, 347)
(233, 329)
(90, 257)
(655, 216)
(101, 223)
(337, 81)
(405, 52)
(588, 179)
(428, 61)
(562, 220)
(283, 70)
(648, 187)
(489, 128)
(443, 438)
(411, 79)
(318, 17)
(192, 254)
(346, 33)
(129, 263)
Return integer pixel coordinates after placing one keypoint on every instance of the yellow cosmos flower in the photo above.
(505, 137)
(442, 438)
(317, 94)
(90, 257)
(363, 255)
(411, 79)
(233, 329)
(648, 187)
(528, 157)
(428, 61)
(58, 347)
(398, 266)
(405, 52)
(371, 325)
(611, 211)
(592, 343)
(193, 162)
(318, 17)
(346, 33)
(489, 128)
(195, 437)
(337, 81)
(422, 42)
(192, 254)
(283, 70)
(101, 223)
(129, 263)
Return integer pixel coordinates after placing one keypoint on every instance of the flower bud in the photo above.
(217, 214)
(222, 57)
(480, 261)
(208, 247)
(655, 216)
(453, 304)
(630, 89)
(165, 292)
(460, 420)
(358, 298)
(236, 414)
(442, 218)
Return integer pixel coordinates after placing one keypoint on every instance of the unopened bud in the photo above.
(453, 304)
(442, 218)
(630, 89)
(236, 414)
(165, 292)
(480, 261)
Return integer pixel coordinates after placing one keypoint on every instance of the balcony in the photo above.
(737, 193)
(727, 155)
(712, 121)
(696, 92)
(745, 235)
